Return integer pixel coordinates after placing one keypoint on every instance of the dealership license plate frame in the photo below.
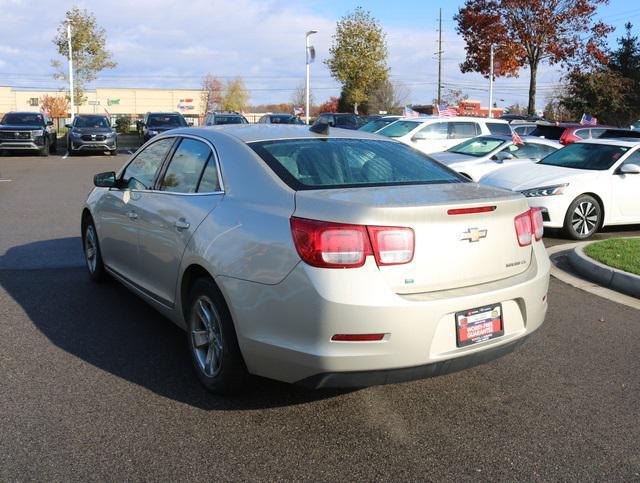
(482, 318)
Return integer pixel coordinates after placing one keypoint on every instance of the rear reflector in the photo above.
(467, 211)
(357, 337)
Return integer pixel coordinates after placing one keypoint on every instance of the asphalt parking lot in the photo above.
(95, 385)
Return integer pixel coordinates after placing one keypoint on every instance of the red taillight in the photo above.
(537, 223)
(336, 245)
(529, 225)
(357, 337)
(391, 245)
(523, 228)
(466, 211)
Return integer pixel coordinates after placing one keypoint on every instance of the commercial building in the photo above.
(116, 102)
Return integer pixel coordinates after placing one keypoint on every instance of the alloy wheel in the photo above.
(584, 218)
(91, 248)
(206, 336)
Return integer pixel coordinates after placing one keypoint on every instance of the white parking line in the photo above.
(4, 180)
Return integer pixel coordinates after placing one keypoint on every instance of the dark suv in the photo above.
(91, 132)
(28, 130)
(280, 119)
(343, 120)
(155, 123)
(218, 118)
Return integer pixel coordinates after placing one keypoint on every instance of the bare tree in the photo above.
(211, 96)
(298, 98)
(389, 97)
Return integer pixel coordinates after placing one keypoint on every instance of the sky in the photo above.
(164, 43)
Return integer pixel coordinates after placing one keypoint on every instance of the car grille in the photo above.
(15, 135)
(93, 137)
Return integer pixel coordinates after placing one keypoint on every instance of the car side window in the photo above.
(597, 132)
(437, 130)
(582, 133)
(462, 130)
(633, 159)
(185, 167)
(141, 172)
(210, 182)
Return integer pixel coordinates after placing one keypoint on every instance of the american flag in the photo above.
(517, 140)
(408, 112)
(443, 111)
(588, 120)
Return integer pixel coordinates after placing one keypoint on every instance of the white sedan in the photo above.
(481, 155)
(582, 187)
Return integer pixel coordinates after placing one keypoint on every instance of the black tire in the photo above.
(583, 218)
(213, 345)
(44, 151)
(54, 146)
(95, 266)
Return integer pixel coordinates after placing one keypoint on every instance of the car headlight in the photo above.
(75, 134)
(557, 189)
(39, 132)
(152, 133)
(111, 135)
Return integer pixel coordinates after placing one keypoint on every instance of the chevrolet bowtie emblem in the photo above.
(473, 235)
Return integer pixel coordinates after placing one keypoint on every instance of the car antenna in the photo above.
(321, 127)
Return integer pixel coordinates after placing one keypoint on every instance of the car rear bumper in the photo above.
(285, 330)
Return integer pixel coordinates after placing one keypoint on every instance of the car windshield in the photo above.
(91, 121)
(596, 157)
(344, 163)
(477, 147)
(166, 120)
(399, 128)
(230, 120)
(285, 120)
(373, 126)
(27, 119)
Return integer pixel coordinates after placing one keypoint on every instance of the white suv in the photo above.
(435, 134)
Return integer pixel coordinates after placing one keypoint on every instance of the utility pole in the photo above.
(440, 58)
(311, 55)
(491, 49)
(71, 90)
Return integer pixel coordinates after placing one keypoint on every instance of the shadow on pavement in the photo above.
(112, 329)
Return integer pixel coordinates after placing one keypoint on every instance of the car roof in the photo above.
(23, 112)
(422, 119)
(248, 133)
(280, 115)
(164, 113)
(624, 142)
(225, 114)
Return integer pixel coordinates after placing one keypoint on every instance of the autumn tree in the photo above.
(88, 48)
(235, 95)
(55, 106)
(526, 34)
(211, 96)
(609, 91)
(388, 96)
(330, 105)
(452, 97)
(358, 56)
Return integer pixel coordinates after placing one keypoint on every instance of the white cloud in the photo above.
(168, 43)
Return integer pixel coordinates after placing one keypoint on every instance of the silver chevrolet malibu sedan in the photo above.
(324, 257)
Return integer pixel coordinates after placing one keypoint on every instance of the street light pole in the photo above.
(71, 91)
(310, 55)
(491, 81)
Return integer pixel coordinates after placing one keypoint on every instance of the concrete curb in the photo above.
(586, 285)
(627, 283)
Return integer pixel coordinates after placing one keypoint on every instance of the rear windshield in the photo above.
(26, 119)
(399, 128)
(373, 126)
(91, 121)
(230, 120)
(499, 129)
(285, 120)
(597, 157)
(477, 147)
(346, 163)
(166, 120)
(548, 132)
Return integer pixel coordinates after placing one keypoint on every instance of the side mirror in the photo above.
(49, 123)
(630, 168)
(105, 180)
(68, 126)
(502, 156)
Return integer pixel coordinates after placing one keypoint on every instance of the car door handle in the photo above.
(182, 224)
(132, 215)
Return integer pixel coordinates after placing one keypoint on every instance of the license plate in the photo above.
(479, 324)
